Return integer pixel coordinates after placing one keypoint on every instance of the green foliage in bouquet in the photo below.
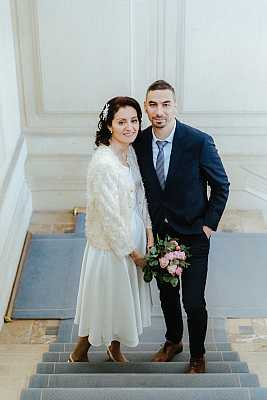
(166, 261)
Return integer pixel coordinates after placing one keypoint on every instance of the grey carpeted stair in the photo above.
(68, 347)
(144, 356)
(145, 367)
(146, 394)
(143, 380)
(227, 377)
(215, 333)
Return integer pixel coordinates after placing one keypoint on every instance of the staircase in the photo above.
(227, 377)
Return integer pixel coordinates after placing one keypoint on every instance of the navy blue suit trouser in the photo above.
(193, 293)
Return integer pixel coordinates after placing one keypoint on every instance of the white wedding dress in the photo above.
(114, 301)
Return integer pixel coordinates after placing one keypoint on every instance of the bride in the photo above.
(114, 302)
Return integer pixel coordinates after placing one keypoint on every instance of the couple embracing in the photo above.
(143, 184)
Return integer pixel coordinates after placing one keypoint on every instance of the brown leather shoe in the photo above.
(168, 351)
(196, 366)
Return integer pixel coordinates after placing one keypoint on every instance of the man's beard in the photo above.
(159, 124)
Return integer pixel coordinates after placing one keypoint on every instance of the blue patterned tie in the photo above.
(160, 163)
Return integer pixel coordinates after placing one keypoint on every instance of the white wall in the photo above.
(15, 198)
(74, 55)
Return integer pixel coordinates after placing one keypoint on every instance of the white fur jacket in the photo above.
(110, 201)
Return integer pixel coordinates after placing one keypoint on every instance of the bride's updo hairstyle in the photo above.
(106, 116)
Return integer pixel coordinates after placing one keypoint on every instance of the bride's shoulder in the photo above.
(102, 156)
(102, 160)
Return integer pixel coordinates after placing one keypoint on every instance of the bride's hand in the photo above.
(149, 238)
(138, 259)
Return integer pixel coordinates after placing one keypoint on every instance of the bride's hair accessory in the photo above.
(105, 111)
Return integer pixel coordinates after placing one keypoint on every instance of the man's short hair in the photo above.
(161, 85)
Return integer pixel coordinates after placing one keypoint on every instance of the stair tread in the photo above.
(216, 331)
(212, 334)
(144, 380)
(152, 346)
(145, 367)
(145, 393)
(227, 377)
(145, 356)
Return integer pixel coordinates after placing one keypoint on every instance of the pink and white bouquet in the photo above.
(166, 261)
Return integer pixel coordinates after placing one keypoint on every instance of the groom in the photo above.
(178, 163)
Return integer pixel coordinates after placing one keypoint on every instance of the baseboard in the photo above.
(13, 245)
(26, 244)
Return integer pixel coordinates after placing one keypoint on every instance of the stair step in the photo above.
(227, 378)
(68, 347)
(146, 393)
(68, 325)
(143, 356)
(143, 380)
(114, 368)
(152, 335)
(68, 332)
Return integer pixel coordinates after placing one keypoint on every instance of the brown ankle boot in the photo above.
(168, 351)
(197, 365)
(80, 352)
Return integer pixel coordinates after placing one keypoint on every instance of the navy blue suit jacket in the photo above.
(194, 165)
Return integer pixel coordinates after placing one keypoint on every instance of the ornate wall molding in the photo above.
(210, 13)
(160, 39)
(164, 45)
(30, 68)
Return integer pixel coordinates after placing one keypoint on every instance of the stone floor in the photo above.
(249, 338)
(232, 221)
(23, 342)
(52, 222)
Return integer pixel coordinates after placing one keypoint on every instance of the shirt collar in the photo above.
(168, 139)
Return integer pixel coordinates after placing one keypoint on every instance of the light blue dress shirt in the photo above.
(167, 150)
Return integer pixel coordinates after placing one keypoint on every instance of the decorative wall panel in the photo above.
(74, 55)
